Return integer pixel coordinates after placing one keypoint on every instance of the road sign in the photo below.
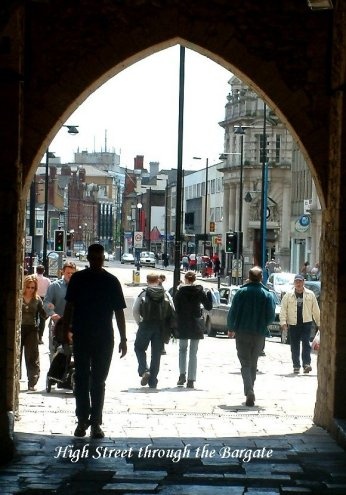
(138, 240)
(28, 244)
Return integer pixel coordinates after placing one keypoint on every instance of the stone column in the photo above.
(11, 226)
(232, 207)
(225, 212)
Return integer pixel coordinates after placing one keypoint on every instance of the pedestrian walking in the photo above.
(54, 302)
(252, 310)
(42, 286)
(299, 308)
(153, 311)
(190, 325)
(32, 307)
(93, 295)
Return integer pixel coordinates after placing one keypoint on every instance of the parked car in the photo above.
(216, 319)
(127, 258)
(280, 282)
(147, 258)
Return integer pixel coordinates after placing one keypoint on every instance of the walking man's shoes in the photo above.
(96, 432)
(190, 384)
(296, 371)
(250, 399)
(182, 379)
(145, 378)
(307, 368)
(81, 429)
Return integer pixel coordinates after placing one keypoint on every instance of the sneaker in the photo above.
(81, 429)
(182, 379)
(250, 399)
(40, 341)
(96, 432)
(307, 368)
(296, 371)
(31, 389)
(190, 384)
(145, 378)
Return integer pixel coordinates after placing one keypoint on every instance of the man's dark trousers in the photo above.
(92, 359)
(249, 347)
(300, 333)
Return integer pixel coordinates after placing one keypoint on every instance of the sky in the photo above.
(136, 113)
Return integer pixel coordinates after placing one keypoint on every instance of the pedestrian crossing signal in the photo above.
(59, 241)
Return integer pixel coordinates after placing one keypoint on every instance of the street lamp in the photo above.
(240, 131)
(206, 200)
(72, 129)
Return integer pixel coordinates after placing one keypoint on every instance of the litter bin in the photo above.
(136, 278)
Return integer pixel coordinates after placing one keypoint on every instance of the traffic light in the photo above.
(212, 227)
(59, 240)
(68, 240)
(231, 242)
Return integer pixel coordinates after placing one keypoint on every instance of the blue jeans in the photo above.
(147, 333)
(249, 347)
(300, 333)
(92, 359)
(192, 367)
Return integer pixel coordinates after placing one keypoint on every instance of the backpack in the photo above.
(156, 307)
(155, 304)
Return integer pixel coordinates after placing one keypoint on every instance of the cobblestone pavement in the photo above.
(182, 441)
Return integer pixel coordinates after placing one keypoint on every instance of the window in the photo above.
(277, 148)
(212, 186)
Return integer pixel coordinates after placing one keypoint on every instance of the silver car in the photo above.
(147, 258)
(216, 319)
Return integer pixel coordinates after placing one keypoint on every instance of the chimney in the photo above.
(138, 162)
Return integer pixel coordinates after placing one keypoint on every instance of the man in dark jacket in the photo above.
(252, 310)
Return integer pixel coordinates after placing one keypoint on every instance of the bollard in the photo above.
(136, 277)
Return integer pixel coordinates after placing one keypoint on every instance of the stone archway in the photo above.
(53, 54)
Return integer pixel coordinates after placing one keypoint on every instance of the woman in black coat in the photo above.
(188, 301)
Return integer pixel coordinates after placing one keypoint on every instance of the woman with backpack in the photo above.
(188, 300)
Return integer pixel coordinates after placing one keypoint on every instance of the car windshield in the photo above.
(283, 279)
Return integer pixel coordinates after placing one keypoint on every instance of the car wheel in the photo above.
(210, 331)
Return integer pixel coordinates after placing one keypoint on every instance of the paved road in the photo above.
(207, 441)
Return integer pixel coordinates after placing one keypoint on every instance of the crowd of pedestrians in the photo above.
(85, 302)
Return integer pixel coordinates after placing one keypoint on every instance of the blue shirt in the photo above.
(54, 301)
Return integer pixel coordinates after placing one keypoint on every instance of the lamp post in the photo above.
(264, 194)
(205, 200)
(240, 131)
(72, 129)
(166, 226)
(49, 155)
(179, 172)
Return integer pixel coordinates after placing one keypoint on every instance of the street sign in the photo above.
(28, 244)
(138, 239)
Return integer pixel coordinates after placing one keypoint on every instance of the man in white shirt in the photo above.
(299, 307)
